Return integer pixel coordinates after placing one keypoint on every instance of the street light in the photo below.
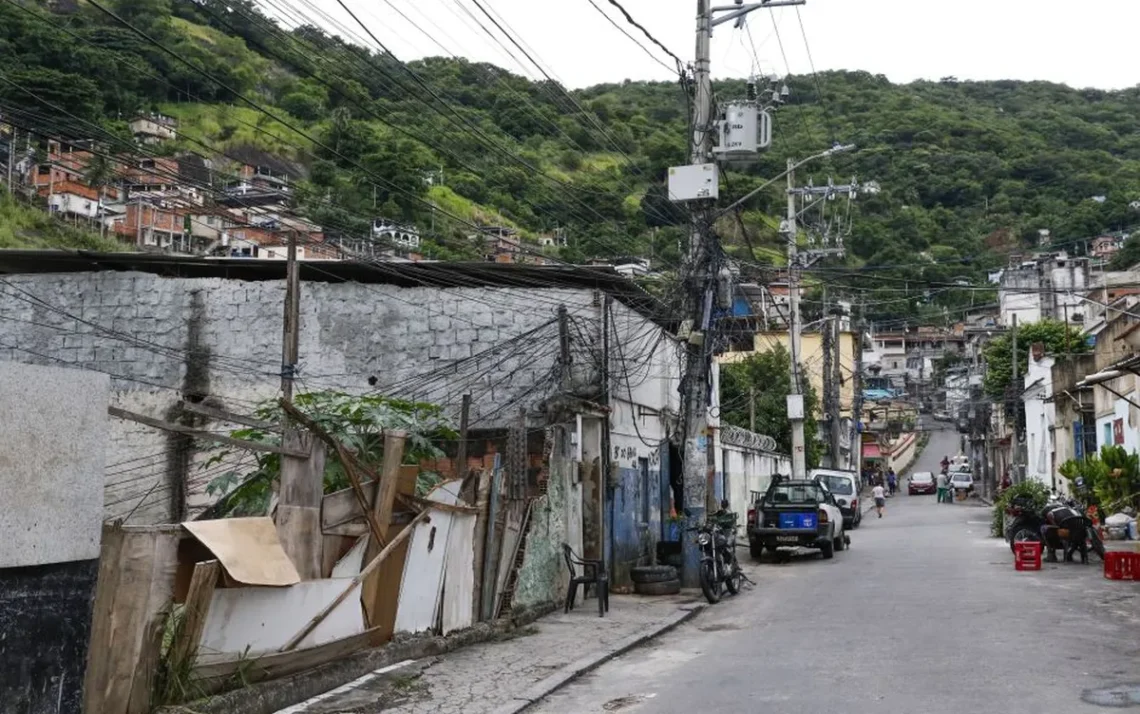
(1099, 377)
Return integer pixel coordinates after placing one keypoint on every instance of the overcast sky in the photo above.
(1089, 43)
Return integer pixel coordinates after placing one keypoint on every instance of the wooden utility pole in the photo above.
(290, 342)
(302, 480)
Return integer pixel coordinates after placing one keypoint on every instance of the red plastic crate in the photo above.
(1122, 566)
(1027, 555)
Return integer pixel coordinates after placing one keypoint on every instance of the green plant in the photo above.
(1113, 475)
(356, 421)
(1032, 488)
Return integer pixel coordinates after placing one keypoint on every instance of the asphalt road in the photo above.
(924, 613)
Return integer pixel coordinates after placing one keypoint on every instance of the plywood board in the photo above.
(459, 574)
(343, 506)
(512, 532)
(256, 620)
(349, 566)
(427, 556)
(136, 582)
(248, 548)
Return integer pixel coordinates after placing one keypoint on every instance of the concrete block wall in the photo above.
(219, 340)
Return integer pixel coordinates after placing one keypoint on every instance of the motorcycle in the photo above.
(1063, 524)
(718, 566)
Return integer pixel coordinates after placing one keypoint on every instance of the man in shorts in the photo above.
(880, 496)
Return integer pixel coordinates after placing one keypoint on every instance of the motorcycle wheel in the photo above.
(1096, 543)
(710, 586)
(733, 582)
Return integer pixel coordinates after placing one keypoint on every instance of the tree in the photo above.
(357, 422)
(765, 377)
(1058, 339)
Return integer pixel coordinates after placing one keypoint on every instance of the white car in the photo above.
(962, 481)
(844, 485)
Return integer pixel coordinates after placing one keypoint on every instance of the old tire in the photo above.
(661, 587)
(755, 549)
(827, 548)
(652, 573)
(838, 544)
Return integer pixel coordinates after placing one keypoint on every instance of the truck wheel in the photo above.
(827, 548)
(838, 543)
(755, 549)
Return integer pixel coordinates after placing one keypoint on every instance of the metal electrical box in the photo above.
(694, 183)
(743, 130)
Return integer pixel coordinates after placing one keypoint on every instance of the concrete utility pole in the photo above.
(1015, 451)
(836, 379)
(789, 231)
(796, 398)
(699, 280)
(829, 405)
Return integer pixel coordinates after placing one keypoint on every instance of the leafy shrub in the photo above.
(1033, 489)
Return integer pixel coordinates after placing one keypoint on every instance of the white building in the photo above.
(1045, 287)
(395, 233)
(1040, 420)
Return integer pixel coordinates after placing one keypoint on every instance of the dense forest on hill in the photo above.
(969, 171)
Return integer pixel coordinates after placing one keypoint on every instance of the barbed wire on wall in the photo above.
(742, 437)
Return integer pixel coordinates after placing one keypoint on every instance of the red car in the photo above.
(921, 482)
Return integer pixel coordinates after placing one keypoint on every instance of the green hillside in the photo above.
(969, 170)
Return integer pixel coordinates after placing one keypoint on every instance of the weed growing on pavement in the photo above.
(514, 633)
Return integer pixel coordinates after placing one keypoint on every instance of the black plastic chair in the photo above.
(593, 573)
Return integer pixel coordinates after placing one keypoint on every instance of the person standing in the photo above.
(880, 496)
(941, 483)
(892, 481)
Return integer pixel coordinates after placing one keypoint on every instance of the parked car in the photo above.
(962, 481)
(796, 514)
(940, 415)
(921, 482)
(844, 485)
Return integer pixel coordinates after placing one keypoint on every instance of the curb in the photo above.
(545, 687)
(272, 695)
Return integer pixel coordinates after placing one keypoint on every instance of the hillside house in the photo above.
(153, 128)
(394, 233)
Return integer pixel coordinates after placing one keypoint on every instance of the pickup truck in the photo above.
(796, 514)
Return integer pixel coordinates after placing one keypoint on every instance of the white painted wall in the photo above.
(1040, 417)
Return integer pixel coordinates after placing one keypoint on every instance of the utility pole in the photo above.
(290, 339)
(699, 276)
(829, 406)
(796, 398)
(836, 378)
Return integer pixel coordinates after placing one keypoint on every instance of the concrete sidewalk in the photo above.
(509, 675)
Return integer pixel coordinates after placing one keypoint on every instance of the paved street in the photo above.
(924, 614)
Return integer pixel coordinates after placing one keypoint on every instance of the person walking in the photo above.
(941, 483)
(892, 481)
(880, 496)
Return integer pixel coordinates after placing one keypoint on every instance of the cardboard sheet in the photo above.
(248, 549)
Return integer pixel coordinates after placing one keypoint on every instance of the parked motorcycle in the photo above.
(1063, 524)
(718, 566)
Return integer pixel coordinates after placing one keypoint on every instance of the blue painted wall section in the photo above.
(634, 537)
